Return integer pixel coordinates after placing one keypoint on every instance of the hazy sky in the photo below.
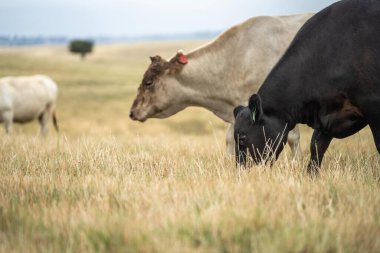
(137, 17)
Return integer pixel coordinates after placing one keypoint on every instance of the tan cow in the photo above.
(220, 75)
(26, 98)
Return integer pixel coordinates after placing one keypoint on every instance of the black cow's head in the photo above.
(263, 135)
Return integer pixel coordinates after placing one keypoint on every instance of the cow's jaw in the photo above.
(168, 111)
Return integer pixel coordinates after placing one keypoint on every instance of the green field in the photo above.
(108, 184)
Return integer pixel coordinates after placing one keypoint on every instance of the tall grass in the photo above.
(112, 185)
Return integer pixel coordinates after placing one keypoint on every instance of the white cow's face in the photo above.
(158, 95)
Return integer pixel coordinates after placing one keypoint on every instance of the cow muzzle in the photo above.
(133, 115)
(240, 156)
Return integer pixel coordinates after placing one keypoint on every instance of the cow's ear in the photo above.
(155, 58)
(181, 58)
(237, 110)
(255, 107)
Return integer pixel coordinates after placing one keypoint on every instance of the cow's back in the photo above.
(260, 43)
(336, 51)
(27, 96)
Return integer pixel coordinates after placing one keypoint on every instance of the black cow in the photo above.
(329, 79)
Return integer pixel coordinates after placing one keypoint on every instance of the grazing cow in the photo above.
(219, 75)
(23, 99)
(329, 79)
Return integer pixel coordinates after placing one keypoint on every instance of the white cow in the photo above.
(26, 98)
(220, 75)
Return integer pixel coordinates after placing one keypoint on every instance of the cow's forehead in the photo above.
(156, 68)
(243, 119)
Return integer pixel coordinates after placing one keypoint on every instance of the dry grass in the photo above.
(113, 185)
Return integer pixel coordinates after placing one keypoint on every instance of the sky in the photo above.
(138, 17)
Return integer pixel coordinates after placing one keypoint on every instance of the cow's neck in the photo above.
(290, 97)
(210, 82)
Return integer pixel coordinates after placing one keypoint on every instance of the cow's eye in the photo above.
(242, 139)
(148, 83)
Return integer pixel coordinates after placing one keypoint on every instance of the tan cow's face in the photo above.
(158, 95)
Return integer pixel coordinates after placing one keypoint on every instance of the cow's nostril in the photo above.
(131, 115)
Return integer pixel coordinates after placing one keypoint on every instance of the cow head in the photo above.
(263, 135)
(159, 94)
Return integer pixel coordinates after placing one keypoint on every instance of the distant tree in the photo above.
(82, 47)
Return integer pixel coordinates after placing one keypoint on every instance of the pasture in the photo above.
(109, 184)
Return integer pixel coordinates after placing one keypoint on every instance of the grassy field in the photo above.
(108, 184)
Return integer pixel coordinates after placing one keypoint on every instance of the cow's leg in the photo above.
(376, 135)
(44, 120)
(294, 143)
(230, 141)
(370, 108)
(318, 146)
(8, 120)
